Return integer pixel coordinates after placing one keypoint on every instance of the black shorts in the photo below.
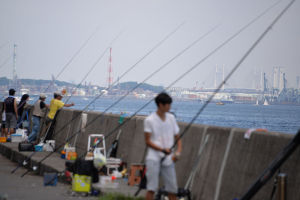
(3, 124)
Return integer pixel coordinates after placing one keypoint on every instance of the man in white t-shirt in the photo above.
(161, 131)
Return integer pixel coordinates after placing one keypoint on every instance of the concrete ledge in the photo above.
(53, 164)
(229, 164)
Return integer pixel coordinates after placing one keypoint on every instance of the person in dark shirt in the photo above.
(10, 108)
(3, 122)
(22, 106)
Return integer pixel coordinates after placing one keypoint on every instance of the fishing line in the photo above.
(231, 72)
(91, 69)
(155, 72)
(62, 70)
(179, 78)
(266, 176)
(196, 65)
(94, 65)
(127, 71)
(74, 56)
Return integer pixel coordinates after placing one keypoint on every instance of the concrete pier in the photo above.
(229, 163)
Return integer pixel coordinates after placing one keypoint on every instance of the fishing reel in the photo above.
(182, 194)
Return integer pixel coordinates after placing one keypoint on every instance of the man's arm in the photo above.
(179, 144)
(154, 146)
(179, 147)
(69, 105)
(15, 108)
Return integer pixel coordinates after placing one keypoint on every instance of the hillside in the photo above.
(144, 86)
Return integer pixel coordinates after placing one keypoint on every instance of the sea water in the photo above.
(278, 118)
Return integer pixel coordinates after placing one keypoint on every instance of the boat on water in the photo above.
(220, 103)
(266, 103)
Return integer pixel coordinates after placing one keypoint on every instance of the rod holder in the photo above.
(282, 185)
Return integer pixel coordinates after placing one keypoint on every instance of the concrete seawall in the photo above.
(229, 163)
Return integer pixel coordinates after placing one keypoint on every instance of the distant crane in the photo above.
(110, 78)
(15, 77)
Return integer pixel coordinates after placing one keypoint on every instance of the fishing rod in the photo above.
(155, 72)
(268, 173)
(62, 70)
(74, 56)
(94, 65)
(91, 69)
(232, 71)
(126, 72)
(179, 78)
(195, 66)
(223, 82)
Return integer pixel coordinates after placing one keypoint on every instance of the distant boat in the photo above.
(220, 103)
(266, 103)
(85, 98)
(256, 102)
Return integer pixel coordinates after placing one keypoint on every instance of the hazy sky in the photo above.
(48, 33)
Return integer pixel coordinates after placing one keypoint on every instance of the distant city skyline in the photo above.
(48, 33)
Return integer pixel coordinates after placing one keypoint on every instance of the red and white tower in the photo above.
(110, 78)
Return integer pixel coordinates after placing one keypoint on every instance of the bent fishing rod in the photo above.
(125, 73)
(253, 46)
(179, 78)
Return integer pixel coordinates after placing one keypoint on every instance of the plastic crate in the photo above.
(81, 183)
(2, 139)
(71, 156)
(16, 138)
(38, 148)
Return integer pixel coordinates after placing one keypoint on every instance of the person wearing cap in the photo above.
(11, 111)
(39, 111)
(55, 105)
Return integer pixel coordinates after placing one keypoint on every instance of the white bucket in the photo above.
(49, 146)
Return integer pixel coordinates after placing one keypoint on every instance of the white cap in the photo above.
(42, 96)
